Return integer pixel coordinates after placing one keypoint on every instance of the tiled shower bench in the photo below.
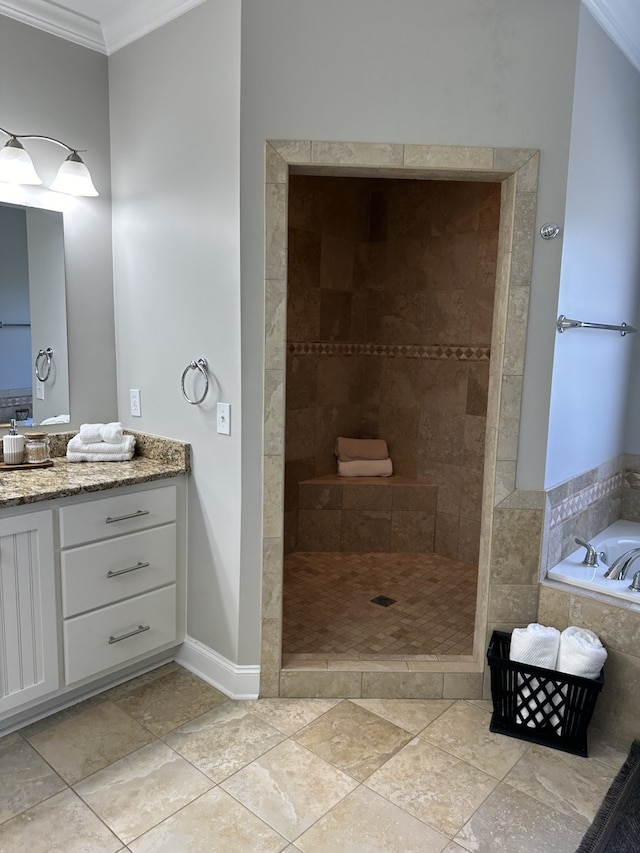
(394, 513)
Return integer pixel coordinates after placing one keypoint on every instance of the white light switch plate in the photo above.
(134, 400)
(223, 418)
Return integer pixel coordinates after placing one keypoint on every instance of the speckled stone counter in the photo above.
(155, 459)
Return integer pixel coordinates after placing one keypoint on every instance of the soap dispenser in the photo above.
(13, 446)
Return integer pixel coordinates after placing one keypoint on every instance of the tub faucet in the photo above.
(617, 571)
(590, 558)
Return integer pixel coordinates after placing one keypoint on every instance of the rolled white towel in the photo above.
(536, 644)
(98, 457)
(126, 445)
(581, 652)
(90, 432)
(112, 432)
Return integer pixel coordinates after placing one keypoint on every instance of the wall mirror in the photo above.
(34, 365)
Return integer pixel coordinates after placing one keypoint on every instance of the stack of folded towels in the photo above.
(363, 457)
(101, 443)
(576, 651)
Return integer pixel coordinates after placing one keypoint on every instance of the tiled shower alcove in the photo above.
(516, 170)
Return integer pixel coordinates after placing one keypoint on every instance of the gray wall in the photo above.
(175, 100)
(55, 88)
(596, 381)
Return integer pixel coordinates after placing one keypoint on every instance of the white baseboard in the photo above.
(235, 680)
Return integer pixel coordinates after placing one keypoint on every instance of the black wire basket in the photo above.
(540, 705)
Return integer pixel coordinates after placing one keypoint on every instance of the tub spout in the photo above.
(617, 571)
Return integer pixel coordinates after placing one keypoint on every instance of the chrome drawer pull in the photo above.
(138, 630)
(115, 574)
(137, 514)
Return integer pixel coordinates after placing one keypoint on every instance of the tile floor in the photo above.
(327, 608)
(166, 764)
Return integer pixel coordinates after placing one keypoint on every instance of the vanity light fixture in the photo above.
(16, 166)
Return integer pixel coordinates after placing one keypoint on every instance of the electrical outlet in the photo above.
(134, 400)
(223, 418)
(39, 390)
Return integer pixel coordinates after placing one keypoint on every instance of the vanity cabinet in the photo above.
(28, 618)
(118, 579)
(92, 589)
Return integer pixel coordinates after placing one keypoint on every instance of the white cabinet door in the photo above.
(28, 631)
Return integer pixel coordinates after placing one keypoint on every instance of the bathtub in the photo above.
(613, 541)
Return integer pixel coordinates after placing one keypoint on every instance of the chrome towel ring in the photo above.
(47, 355)
(201, 365)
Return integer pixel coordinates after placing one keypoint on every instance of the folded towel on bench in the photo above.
(366, 468)
(352, 449)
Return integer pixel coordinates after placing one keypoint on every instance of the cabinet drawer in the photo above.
(98, 640)
(86, 522)
(105, 572)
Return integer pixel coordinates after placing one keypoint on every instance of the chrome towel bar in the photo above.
(565, 323)
(201, 365)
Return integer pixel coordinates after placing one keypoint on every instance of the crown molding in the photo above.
(123, 26)
(141, 18)
(621, 21)
(57, 20)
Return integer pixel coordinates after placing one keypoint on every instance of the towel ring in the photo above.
(201, 365)
(43, 354)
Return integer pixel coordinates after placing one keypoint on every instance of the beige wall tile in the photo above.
(512, 603)
(273, 498)
(553, 608)
(524, 226)
(272, 578)
(292, 150)
(274, 412)
(462, 685)
(448, 157)
(362, 153)
(275, 231)
(276, 168)
(319, 530)
(412, 531)
(616, 711)
(515, 554)
(402, 685)
(516, 333)
(321, 685)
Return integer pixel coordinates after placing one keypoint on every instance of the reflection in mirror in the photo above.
(33, 317)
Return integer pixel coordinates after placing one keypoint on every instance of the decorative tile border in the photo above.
(437, 352)
(587, 497)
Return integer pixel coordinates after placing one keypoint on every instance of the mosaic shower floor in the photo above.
(328, 608)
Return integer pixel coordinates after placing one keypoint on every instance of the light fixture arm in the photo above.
(39, 136)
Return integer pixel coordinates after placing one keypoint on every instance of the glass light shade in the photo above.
(73, 177)
(16, 166)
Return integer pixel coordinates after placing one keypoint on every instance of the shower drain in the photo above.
(383, 601)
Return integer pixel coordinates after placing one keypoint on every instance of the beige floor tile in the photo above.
(366, 821)
(139, 791)
(513, 822)
(463, 730)
(25, 777)
(61, 823)
(164, 703)
(289, 788)
(412, 715)
(87, 738)
(353, 739)
(215, 823)
(289, 715)
(570, 784)
(432, 785)
(607, 751)
(452, 847)
(223, 740)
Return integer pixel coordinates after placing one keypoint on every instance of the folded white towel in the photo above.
(366, 468)
(111, 432)
(536, 644)
(125, 445)
(581, 652)
(98, 457)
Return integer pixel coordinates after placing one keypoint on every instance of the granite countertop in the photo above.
(156, 458)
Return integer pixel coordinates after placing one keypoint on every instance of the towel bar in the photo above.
(565, 323)
(201, 365)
